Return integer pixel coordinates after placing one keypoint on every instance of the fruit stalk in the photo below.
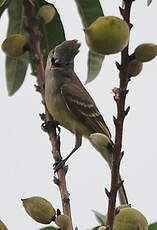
(35, 35)
(119, 121)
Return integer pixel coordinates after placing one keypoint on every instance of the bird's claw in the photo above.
(49, 126)
(59, 165)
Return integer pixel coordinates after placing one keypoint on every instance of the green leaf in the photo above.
(15, 72)
(100, 217)
(149, 2)
(49, 228)
(152, 226)
(3, 5)
(94, 65)
(53, 32)
(89, 11)
(16, 67)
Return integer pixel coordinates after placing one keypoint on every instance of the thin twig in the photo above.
(33, 28)
(119, 121)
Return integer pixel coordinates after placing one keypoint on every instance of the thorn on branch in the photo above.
(119, 67)
(129, 77)
(43, 102)
(56, 180)
(126, 91)
(127, 110)
(122, 154)
(58, 212)
(130, 25)
(122, 11)
(115, 120)
(42, 116)
(107, 192)
(37, 88)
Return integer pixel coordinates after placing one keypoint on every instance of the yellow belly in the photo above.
(60, 112)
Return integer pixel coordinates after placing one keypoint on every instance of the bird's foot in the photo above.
(49, 126)
(60, 165)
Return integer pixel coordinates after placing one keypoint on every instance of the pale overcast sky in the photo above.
(26, 161)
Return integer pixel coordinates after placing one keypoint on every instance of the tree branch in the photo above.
(33, 29)
(119, 121)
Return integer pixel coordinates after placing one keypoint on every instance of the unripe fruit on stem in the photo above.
(107, 35)
(130, 219)
(103, 144)
(62, 221)
(39, 209)
(134, 67)
(15, 44)
(145, 52)
(47, 12)
(2, 226)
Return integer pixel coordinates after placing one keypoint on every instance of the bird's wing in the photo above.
(80, 103)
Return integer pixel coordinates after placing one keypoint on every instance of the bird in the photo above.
(71, 105)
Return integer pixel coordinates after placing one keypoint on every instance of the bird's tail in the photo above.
(104, 146)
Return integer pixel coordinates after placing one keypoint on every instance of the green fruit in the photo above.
(134, 67)
(39, 209)
(107, 35)
(103, 144)
(62, 221)
(130, 219)
(47, 12)
(145, 52)
(14, 45)
(2, 226)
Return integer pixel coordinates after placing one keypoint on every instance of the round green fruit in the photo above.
(102, 143)
(39, 209)
(2, 226)
(14, 45)
(145, 52)
(47, 13)
(130, 219)
(62, 221)
(134, 67)
(107, 35)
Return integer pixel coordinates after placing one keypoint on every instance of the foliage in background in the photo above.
(52, 35)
